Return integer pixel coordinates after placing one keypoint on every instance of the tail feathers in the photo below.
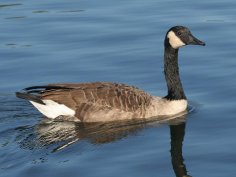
(30, 97)
(45, 87)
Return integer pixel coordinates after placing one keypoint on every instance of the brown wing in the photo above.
(83, 96)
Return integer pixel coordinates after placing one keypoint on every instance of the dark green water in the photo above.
(120, 41)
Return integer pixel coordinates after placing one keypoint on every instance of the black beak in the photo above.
(194, 41)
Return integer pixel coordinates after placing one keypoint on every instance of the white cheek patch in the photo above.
(174, 41)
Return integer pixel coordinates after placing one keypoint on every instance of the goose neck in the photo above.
(171, 70)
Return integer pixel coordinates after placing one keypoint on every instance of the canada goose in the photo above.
(105, 101)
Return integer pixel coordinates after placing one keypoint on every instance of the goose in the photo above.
(107, 101)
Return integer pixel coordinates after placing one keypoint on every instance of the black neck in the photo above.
(171, 70)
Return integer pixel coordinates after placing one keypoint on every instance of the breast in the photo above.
(164, 107)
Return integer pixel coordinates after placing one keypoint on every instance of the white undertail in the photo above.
(52, 109)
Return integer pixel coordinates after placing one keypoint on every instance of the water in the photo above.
(121, 41)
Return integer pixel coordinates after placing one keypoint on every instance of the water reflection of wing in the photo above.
(177, 133)
(66, 133)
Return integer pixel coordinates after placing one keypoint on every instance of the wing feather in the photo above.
(98, 94)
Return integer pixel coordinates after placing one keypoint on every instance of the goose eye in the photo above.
(179, 33)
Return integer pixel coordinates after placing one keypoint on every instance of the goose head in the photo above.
(179, 36)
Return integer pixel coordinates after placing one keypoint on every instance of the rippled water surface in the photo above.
(120, 41)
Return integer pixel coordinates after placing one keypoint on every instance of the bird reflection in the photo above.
(51, 132)
(62, 134)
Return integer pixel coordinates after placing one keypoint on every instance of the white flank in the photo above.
(52, 109)
(174, 41)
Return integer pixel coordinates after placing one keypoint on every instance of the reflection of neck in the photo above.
(171, 70)
(177, 136)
